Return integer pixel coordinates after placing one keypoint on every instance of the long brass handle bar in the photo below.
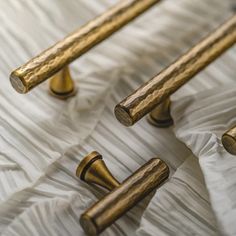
(157, 90)
(74, 45)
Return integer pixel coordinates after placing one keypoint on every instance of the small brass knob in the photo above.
(124, 196)
(229, 140)
(93, 170)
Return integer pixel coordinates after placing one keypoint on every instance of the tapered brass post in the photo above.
(160, 116)
(55, 58)
(93, 170)
(123, 196)
(158, 89)
(229, 140)
(61, 84)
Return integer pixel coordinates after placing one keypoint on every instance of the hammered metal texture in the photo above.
(74, 45)
(156, 90)
(128, 194)
(229, 140)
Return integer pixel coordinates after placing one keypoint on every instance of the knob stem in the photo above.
(93, 170)
(62, 85)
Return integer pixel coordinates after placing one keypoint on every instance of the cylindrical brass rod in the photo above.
(125, 196)
(156, 90)
(74, 45)
(229, 140)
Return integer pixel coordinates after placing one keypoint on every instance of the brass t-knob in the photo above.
(123, 196)
(229, 140)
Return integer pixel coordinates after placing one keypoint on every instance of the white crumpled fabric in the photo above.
(201, 120)
(42, 139)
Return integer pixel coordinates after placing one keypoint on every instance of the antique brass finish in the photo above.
(61, 84)
(229, 140)
(93, 170)
(159, 88)
(160, 116)
(123, 197)
(55, 58)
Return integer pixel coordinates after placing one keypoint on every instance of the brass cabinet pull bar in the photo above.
(159, 88)
(74, 45)
(229, 140)
(123, 196)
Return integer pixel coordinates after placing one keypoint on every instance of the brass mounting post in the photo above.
(61, 84)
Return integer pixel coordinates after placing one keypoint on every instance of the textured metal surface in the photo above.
(229, 140)
(122, 198)
(74, 45)
(155, 91)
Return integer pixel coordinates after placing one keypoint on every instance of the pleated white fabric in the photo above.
(43, 139)
(202, 132)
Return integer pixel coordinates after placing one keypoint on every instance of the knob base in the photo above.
(61, 84)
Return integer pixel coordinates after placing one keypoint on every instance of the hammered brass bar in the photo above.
(123, 196)
(158, 89)
(229, 140)
(52, 60)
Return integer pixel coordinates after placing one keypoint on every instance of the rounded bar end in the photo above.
(123, 115)
(229, 143)
(88, 225)
(18, 83)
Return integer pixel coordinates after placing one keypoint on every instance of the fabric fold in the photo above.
(200, 121)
